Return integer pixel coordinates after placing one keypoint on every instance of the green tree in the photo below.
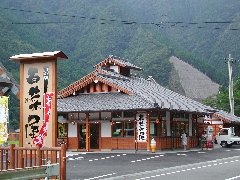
(221, 100)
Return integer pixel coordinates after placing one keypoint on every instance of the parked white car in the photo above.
(226, 137)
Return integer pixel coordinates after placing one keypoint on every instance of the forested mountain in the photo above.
(88, 31)
(208, 29)
(146, 32)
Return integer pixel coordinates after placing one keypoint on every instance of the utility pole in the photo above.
(231, 98)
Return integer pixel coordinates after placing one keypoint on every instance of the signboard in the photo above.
(36, 78)
(3, 119)
(141, 127)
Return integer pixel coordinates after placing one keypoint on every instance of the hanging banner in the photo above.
(141, 127)
(3, 119)
(61, 130)
(43, 132)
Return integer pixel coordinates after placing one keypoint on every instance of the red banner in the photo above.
(43, 132)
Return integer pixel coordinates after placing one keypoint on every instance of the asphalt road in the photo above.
(215, 163)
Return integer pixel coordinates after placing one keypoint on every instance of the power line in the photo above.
(161, 24)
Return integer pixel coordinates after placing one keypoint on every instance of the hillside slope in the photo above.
(196, 85)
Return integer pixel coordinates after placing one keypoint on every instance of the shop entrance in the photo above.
(93, 136)
(82, 136)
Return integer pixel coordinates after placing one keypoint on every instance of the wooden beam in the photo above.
(148, 132)
(87, 133)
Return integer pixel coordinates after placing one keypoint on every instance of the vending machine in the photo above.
(210, 136)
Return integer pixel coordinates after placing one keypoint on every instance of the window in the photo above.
(127, 114)
(224, 132)
(124, 114)
(117, 114)
(154, 114)
(117, 129)
(72, 116)
(164, 129)
(62, 116)
(123, 129)
(194, 128)
(62, 130)
(129, 129)
(178, 127)
(154, 128)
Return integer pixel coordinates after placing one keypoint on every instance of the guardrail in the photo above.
(34, 159)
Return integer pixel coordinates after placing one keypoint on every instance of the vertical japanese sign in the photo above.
(141, 127)
(61, 130)
(36, 83)
(3, 119)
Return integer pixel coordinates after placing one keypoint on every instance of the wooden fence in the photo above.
(18, 158)
(13, 136)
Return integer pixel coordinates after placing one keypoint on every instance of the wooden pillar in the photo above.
(87, 133)
(160, 128)
(148, 132)
(104, 88)
(54, 121)
(21, 126)
(12, 156)
(62, 174)
(92, 87)
(85, 89)
(39, 156)
(98, 87)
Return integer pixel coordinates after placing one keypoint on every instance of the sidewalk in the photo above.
(143, 151)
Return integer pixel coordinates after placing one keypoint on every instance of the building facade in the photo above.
(111, 108)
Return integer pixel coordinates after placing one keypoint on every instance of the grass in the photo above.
(13, 142)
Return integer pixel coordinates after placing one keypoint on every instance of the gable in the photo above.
(121, 62)
(91, 84)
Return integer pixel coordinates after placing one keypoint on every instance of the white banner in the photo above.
(141, 127)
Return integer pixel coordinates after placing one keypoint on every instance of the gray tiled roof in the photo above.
(102, 102)
(7, 78)
(146, 95)
(155, 93)
(228, 116)
(5, 81)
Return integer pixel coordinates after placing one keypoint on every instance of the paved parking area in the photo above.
(129, 165)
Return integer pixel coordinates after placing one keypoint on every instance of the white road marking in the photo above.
(233, 178)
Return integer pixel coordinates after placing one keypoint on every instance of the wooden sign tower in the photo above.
(38, 75)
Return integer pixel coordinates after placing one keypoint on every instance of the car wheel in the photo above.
(224, 144)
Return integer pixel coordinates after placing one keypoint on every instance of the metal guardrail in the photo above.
(44, 171)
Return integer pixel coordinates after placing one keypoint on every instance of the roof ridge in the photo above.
(78, 82)
(115, 77)
(120, 61)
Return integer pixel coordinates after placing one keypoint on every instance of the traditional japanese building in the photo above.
(221, 119)
(111, 108)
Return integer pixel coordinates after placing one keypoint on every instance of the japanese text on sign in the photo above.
(35, 78)
(141, 127)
